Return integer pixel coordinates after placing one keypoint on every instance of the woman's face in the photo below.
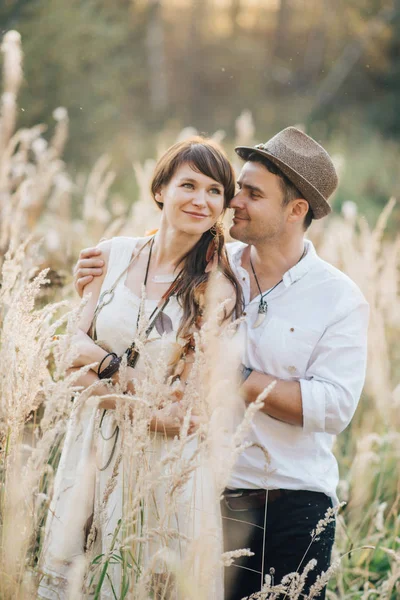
(192, 202)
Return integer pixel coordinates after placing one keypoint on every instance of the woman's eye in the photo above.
(188, 185)
(216, 191)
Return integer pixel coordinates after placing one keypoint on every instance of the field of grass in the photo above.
(46, 217)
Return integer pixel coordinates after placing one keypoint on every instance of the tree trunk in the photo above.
(156, 58)
(234, 13)
(315, 51)
(282, 29)
(195, 61)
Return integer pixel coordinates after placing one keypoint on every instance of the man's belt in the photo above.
(249, 499)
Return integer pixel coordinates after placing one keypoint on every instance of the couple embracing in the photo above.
(304, 324)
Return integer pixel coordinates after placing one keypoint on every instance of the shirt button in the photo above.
(244, 278)
(245, 314)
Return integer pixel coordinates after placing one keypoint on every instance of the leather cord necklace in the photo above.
(157, 319)
(263, 304)
(108, 295)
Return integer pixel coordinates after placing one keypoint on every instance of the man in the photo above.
(306, 328)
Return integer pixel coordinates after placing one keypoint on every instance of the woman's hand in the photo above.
(169, 420)
(128, 376)
(87, 379)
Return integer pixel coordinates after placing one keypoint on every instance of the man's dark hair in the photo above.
(289, 190)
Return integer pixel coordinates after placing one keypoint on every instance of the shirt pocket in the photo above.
(286, 348)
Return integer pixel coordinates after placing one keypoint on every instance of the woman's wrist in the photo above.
(153, 424)
(130, 388)
(107, 371)
(115, 379)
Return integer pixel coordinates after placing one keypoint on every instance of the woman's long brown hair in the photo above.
(206, 157)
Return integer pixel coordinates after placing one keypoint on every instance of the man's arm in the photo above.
(283, 401)
(90, 265)
(327, 397)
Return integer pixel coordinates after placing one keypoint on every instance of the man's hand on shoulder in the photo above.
(90, 264)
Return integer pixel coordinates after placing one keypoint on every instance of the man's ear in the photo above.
(298, 210)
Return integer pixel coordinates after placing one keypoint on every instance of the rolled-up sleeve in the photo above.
(335, 374)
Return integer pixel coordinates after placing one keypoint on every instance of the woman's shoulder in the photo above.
(118, 244)
(119, 240)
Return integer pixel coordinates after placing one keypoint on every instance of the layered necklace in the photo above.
(158, 318)
(263, 304)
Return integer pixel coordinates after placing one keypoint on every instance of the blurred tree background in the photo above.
(132, 72)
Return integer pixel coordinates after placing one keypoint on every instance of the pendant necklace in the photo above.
(263, 304)
(158, 318)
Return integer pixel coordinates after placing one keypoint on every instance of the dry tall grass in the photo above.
(36, 199)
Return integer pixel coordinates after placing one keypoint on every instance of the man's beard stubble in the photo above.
(270, 235)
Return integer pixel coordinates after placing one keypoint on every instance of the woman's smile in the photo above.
(196, 215)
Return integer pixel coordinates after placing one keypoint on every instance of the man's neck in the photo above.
(272, 260)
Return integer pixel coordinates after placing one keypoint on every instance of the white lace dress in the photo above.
(177, 530)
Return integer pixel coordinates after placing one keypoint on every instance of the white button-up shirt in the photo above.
(315, 332)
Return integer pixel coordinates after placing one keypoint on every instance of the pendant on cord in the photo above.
(132, 355)
(262, 311)
(163, 323)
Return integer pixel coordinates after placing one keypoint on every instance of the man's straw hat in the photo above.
(304, 162)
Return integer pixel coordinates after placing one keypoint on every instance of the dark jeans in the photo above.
(289, 521)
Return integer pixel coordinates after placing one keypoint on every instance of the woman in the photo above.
(192, 185)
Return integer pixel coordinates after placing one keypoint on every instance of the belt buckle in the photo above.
(234, 494)
(235, 509)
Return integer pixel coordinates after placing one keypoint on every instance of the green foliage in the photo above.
(127, 70)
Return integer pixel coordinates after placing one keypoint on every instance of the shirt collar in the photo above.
(291, 276)
(302, 267)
